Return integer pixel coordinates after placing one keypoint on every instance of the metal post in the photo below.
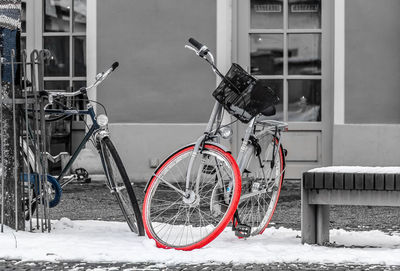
(28, 168)
(14, 140)
(2, 153)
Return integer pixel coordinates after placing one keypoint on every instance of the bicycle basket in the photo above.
(242, 95)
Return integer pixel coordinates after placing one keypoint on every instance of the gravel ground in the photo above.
(94, 201)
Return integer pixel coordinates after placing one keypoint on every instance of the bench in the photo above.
(363, 186)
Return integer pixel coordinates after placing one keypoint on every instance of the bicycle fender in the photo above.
(224, 148)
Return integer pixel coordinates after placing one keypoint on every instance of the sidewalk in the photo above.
(75, 266)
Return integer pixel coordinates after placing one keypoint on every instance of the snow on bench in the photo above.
(343, 185)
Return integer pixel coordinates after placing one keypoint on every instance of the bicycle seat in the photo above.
(269, 111)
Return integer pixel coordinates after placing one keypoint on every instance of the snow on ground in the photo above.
(357, 169)
(100, 241)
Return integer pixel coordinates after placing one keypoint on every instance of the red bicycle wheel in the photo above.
(186, 223)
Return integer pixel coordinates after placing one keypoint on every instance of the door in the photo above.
(285, 43)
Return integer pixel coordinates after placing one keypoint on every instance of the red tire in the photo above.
(174, 221)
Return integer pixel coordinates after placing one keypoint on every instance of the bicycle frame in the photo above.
(215, 118)
(95, 127)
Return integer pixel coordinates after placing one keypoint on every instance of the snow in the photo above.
(100, 241)
(357, 169)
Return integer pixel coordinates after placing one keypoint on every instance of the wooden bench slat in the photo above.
(308, 179)
(379, 182)
(389, 182)
(348, 181)
(369, 180)
(328, 180)
(319, 180)
(397, 182)
(338, 181)
(359, 181)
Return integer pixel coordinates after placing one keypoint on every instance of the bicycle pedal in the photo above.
(242, 230)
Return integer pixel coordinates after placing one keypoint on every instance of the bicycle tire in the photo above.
(213, 205)
(121, 185)
(261, 186)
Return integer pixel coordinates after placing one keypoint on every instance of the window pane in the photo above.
(305, 14)
(277, 86)
(79, 15)
(304, 51)
(23, 17)
(304, 100)
(266, 54)
(79, 56)
(59, 62)
(56, 85)
(78, 101)
(266, 14)
(56, 15)
(78, 84)
(23, 43)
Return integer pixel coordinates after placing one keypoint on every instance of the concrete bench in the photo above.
(322, 187)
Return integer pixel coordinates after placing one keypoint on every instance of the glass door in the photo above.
(283, 43)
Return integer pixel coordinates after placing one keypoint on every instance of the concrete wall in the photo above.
(138, 144)
(158, 79)
(372, 96)
(372, 81)
(160, 96)
(366, 145)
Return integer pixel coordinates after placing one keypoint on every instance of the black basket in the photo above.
(242, 95)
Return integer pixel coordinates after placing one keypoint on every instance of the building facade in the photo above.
(332, 63)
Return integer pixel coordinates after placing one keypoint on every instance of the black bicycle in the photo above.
(117, 179)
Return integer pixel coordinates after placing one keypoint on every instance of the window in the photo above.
(64, 34)
(285, 52)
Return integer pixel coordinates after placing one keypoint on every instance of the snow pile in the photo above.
(357, 169)
(99, 241)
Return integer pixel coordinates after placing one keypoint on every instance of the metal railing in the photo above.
(22, 99)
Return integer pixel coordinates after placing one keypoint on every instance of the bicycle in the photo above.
(117, 179)
(199, 189)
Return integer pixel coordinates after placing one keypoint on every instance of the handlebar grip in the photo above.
(114, 65)
(195, 43)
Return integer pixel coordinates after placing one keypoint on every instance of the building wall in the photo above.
(370, 133)
(160, 96)
(372, 67)
(158, 79)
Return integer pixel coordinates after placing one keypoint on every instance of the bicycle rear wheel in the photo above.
(121, 186)
(261, 185)
(186, 223)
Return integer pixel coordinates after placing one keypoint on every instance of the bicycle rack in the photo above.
(28, 140)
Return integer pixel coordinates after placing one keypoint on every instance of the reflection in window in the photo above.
(304, 98)
(56, 85)
(266, 54)
(23, 17)
(305, 14)
(56, 15)
(266, 14)
(277, 86)
(304, 54)
(23, 43)
(79, 56)
(79, 15)
(59, 62)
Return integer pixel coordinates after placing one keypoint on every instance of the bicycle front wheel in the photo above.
(261, 185)
(186, 219)
(121, 186)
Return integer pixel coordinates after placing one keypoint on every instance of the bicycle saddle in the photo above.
(269, 111)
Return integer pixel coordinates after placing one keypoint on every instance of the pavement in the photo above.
(79, 266)
(93, 201)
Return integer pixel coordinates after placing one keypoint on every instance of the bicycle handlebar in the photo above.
(202, 51)
(99, 78)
